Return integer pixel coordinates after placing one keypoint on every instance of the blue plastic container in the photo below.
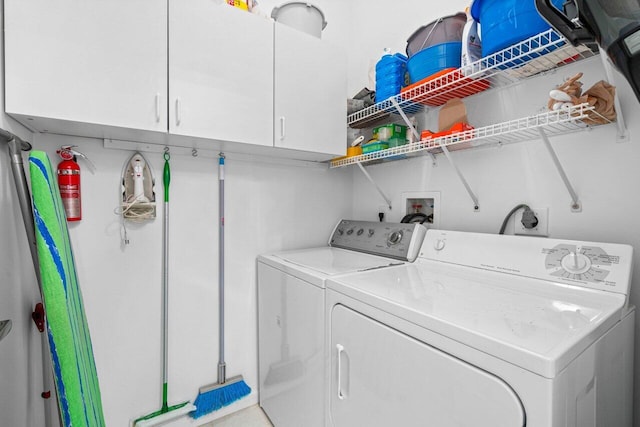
(507, 22)
(434, 59)
(390, 72)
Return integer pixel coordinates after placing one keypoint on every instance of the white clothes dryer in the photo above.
(485, 331)
(292, 359)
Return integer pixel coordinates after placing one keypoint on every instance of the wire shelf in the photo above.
(552, 122)
(538, 54)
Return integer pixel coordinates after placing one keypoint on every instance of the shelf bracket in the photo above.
(366, 173)
(576, 206)
(411, 128)
(623, 132)
(474, 198)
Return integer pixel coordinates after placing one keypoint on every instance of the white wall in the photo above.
(604, 173)
(268, 207)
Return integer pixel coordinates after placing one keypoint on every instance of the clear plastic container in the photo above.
(442, 30)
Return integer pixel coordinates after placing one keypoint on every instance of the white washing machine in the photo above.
(485, 331)
(293, 361)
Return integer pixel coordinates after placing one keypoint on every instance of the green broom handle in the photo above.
(166, 176)
(221, 363)
(165, 279)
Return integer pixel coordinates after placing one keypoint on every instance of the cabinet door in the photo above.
(220, 72)
(381, 377)
(94, 61)
(310, 93)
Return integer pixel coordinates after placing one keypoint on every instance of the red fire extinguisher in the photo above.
(69, 182)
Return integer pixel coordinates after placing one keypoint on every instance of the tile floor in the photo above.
(249, 417)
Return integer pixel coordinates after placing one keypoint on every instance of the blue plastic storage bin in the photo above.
(507, 22)
(390, 71)
(434, 59)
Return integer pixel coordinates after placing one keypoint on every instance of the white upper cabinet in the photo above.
(220, 73)
(89, 62)
(172, 70)
(310, 93)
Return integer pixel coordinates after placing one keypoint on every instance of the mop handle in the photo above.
(221, 362)
(165, 275)
(24, 198)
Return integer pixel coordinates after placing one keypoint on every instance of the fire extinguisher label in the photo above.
(68, 172)
(70, 200)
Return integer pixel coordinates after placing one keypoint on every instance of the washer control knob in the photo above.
(576, 263)
(340, 231)
(360, 232)
(439, 245)
(350, 232)
(395, 237)
(371, 231)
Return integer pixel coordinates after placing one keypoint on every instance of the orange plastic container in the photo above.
(426, 136)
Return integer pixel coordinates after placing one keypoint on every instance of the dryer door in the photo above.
(381, 377)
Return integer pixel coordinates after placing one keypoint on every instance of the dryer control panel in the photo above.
(394, 240)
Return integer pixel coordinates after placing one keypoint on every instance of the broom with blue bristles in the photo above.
(226, 391)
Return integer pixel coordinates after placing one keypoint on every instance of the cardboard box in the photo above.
(452, 122)
(451, 113)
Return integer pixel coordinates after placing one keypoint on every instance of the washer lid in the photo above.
(538, 325)
(324, 262)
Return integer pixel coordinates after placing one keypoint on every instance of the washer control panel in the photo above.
(393, 240)
(604, 266)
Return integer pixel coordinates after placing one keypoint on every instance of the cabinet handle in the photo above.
(178, 118)
(282, 128)
(157, 108)
(341, 394)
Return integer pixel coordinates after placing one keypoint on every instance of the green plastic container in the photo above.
(389, 132)
(374, 146)
(397, 142)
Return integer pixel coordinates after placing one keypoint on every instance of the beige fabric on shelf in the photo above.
(601, 96)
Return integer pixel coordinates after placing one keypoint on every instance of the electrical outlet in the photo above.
(384, 210)
(542, 229)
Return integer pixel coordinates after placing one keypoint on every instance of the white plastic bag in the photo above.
(471, 45)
